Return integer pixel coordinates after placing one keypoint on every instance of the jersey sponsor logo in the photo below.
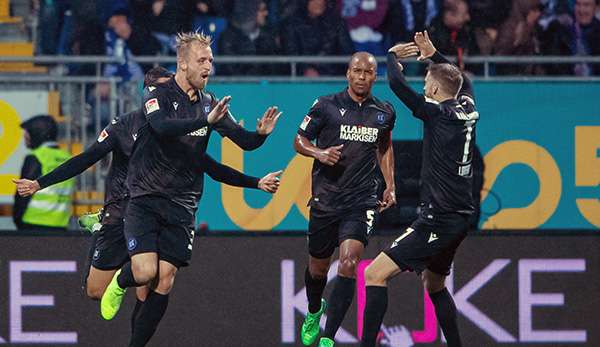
(342, 111)
(380, 118)
(432, 237)
(305, 122)
(152, 105)
(358, 133)
(200, 132)
(175, 105)
(103, 135)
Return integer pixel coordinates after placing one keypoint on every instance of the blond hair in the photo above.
(184, 40)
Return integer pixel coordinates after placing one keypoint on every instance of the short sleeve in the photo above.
(313, 122)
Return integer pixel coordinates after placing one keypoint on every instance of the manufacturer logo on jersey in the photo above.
(305, 122)
(134, 136)
(200, 132)
(432, 237)
(152, 105)
(175, 105)
(342, 111)
(131, 244)
(96, 254)
(380, 118)
(151, 88)
(103, 135)
(114, 121)
(358, 133)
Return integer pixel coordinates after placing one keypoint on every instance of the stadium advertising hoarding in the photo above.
(540, 142)
(521, 291)
(15, 107)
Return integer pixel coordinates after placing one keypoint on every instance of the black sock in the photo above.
(89, 259)
(376, 305)
(339, 302)
(445, 310)
(147, 320)
(314, 291)
(136, 310)
(125, 278)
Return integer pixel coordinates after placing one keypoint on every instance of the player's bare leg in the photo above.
(315, 279)
(141, 270)
(445, 309)
(342, 295)
(154, 306)
(377, 275)
(97, 281)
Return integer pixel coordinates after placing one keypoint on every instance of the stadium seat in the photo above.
(19, 49)
(5, 17)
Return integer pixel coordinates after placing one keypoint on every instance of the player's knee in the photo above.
(374, 277)
(347, 266)
(165, 282)
(144, 272)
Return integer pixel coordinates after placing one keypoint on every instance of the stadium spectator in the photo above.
(217, 8)
(405, 17)
(364, 20)
(486, 18)
(578, 37)
(248, 34)
(54, 18)
(315, 31)
(517, 36)
(50, 208)
(450, 32)
(163, 19)
(117, 36)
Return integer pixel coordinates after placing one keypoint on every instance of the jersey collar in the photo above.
(349, 103)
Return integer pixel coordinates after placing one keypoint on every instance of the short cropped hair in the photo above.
(448, 76)
(184, 40)
(155, 73)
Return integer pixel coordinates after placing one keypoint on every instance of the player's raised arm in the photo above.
(396, 80)
(230, 176)
(428, 51)
(248, 140)
(72, 167)
(156, 109)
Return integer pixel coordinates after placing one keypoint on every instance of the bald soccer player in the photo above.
(349, 136)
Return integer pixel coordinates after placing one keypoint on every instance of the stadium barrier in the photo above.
(517, 290)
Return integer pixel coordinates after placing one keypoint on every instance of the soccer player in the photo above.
(352, 130)
(428, 246)
(164, 185)
(109, 252)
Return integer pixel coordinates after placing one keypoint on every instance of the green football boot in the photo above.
(325, 342)
(112, 298)
(310, 327)
(90, 222)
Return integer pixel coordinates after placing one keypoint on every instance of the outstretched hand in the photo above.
(404, 50)
(266, 124)
(219, 111)
(26, 187)
(425, 45)
(270, 183)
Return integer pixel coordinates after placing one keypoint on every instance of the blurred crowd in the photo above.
(460, 28)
